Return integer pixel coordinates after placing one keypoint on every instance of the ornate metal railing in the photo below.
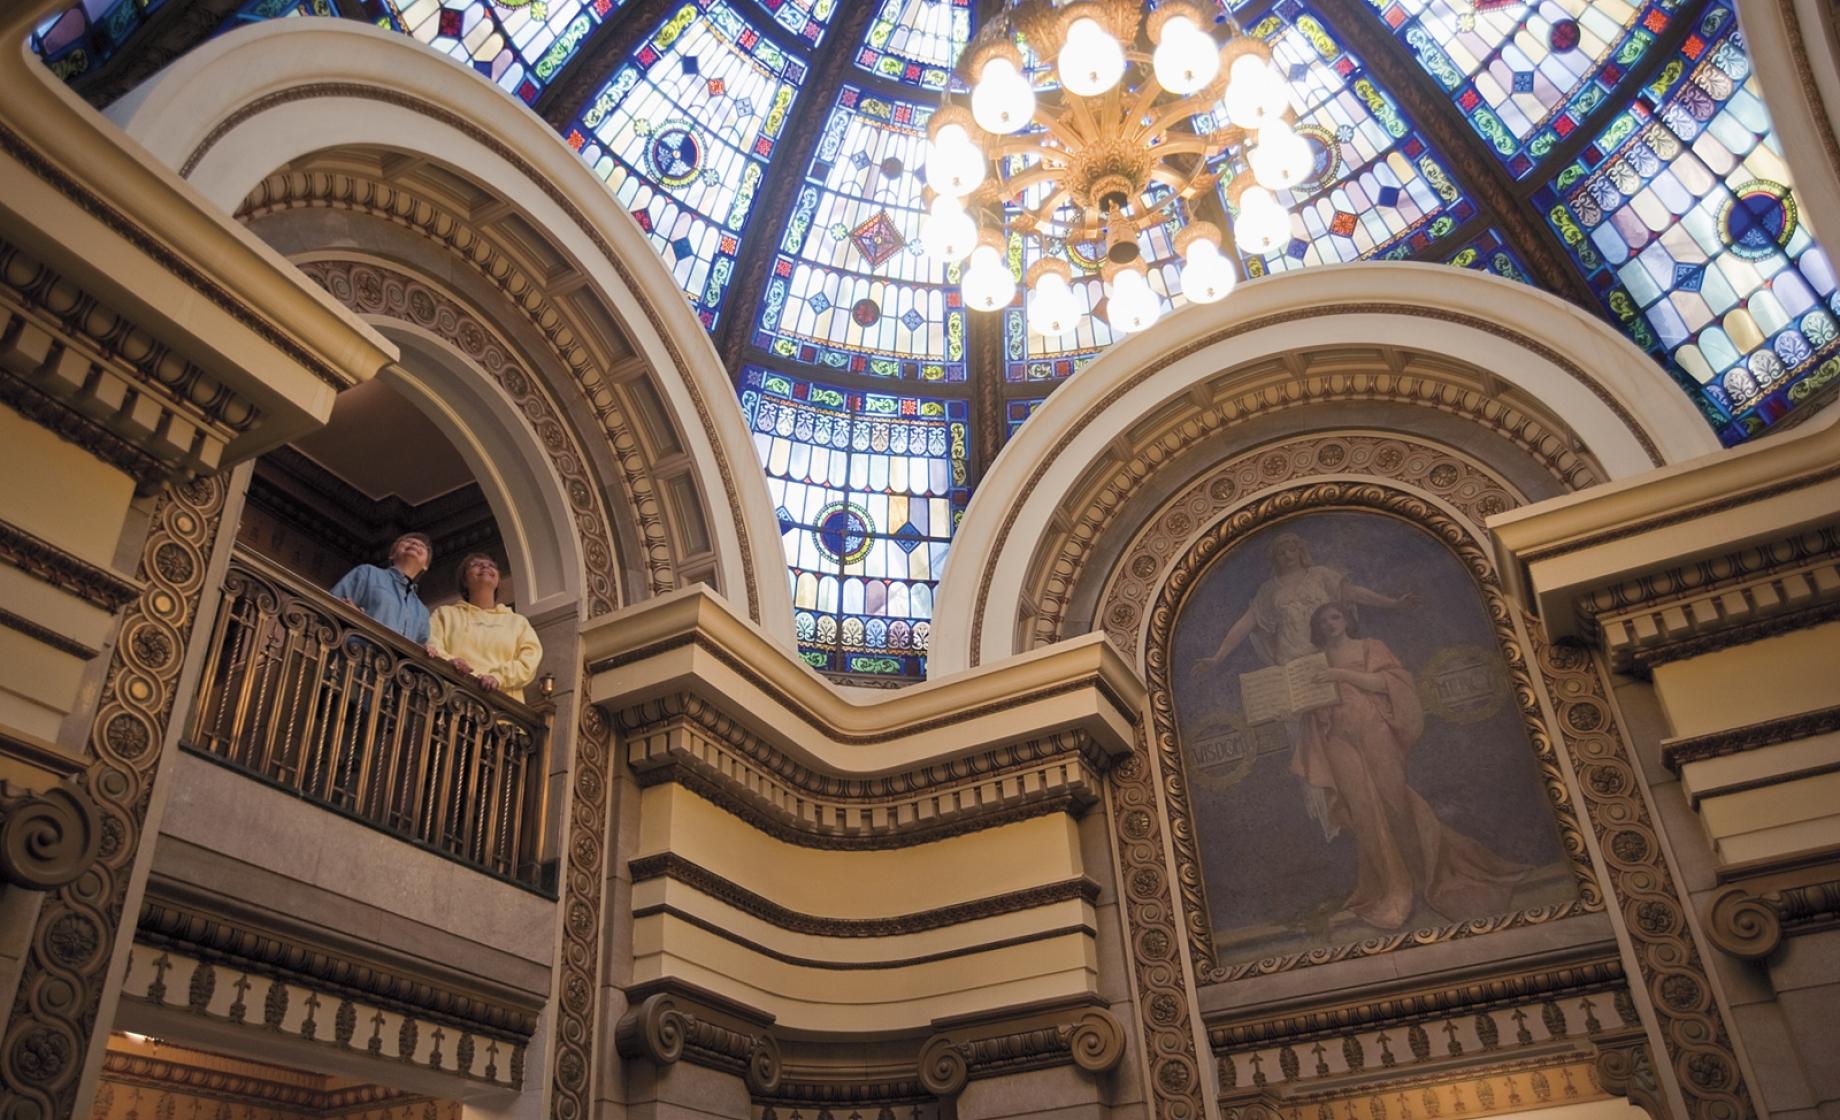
(310, 695)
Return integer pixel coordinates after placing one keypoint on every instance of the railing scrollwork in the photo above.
(311, 695)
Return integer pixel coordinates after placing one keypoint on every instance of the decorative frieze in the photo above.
(219, 993)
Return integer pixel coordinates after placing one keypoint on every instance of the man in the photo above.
(388, 595)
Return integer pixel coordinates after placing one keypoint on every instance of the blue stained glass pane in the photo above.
(1684, 217)
(916, 42)
(87, 34)
(807, 19)
(683, 132)
(1490, 253)
(1526, 75)
(1016, 412)
(1378, 190)
(869, 488)
(521, 46)
(850, 288)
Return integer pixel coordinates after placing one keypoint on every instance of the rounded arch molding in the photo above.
(239, 117)
(1560, 385)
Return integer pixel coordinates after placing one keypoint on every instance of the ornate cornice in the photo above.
(685, 740)
(147, 242)
(833, 964)
(1752, 736)
(66, 571)
(673, 866)
(182, 927)
(47, 636)
(1750, 923)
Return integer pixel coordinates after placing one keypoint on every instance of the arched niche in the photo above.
(1437, 342)
(248, 104)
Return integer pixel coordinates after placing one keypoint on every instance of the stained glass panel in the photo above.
(868, 489)
(1683, 215)
(86, 34)
(520, 44)
(916, 42)
(851, 288)
(1527, 74)
(1016, 412)
(808, 19)
(683, 132)
(1377, 190)
(1491, 253)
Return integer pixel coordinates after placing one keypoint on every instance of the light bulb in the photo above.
(1186, 59)
(947, 233)
(1255, 97)
(1281, 159)
(1262, 225)
(988, 284)
(1091, 61)
(1132, 305)
(1003, 101)
(954, 165)
(1207, 275)
(1053, 308)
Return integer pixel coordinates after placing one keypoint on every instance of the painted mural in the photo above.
(1356, 760)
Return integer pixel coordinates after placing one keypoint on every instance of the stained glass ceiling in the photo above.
(770, 150)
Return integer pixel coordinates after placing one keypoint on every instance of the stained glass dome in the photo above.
(1615, 152)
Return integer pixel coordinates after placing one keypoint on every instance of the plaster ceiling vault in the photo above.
(1614, 153)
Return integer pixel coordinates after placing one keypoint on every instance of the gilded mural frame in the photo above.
(1272, 507)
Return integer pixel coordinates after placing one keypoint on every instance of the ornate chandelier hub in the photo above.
(1104, 145)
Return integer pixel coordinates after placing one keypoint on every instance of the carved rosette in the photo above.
(60, 987)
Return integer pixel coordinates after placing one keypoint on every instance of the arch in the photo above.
(1609, 398)
(242, 106)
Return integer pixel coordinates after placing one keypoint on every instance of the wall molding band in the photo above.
(673, 866)
(831, 965)
(44, 635)
(65, 571)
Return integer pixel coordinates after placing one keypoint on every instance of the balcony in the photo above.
(307, 694)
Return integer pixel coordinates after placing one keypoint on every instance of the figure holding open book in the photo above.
(1353, 751)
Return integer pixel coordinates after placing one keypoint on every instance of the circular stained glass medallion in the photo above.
(844, 532)
(866, 313)
(1758, 220)
(675, 155)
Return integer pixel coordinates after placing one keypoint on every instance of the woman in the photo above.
(483, 638)
(1354, 752)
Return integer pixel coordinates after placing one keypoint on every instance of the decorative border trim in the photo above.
(1644, 661)
(190, 1080)
(673, 866)
(578, 968)
(54, 1009)
(1186, 574)
(1643, 886)
(44, 561)
(131, 232)
(593, 234)
(1750, 737)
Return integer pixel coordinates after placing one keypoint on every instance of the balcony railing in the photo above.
(311, 695)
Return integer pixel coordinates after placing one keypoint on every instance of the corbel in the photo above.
(688, 1023)
(1088, 1036)
(1623, 1068)
(47, 839)
(1750, 924)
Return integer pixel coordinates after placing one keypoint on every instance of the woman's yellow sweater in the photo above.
(498, 643)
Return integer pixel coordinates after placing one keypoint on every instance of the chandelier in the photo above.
(1103, 146)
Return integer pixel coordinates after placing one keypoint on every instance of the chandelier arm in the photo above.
(1023, 181)
(1017, 146)
(1146, 97)
(1189, 107)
